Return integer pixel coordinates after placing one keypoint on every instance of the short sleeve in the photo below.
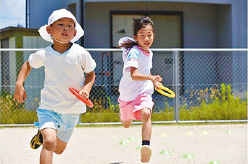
(132, 60)
(151, 60)
(88, 63)
(36, 60)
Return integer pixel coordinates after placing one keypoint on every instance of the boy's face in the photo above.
(62, 30)
(145, 37)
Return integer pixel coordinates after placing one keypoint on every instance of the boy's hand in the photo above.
(20, 94)
(84, 93)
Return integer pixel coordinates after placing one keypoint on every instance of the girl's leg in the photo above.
(147, 124)
(146, 135)
(127, 123)
(49, 145)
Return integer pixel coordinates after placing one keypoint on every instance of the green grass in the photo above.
(214, 104)
(15, 113)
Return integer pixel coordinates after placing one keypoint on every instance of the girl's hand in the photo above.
(157, 84)
(84, 93)
(20, 94)
(155, 78)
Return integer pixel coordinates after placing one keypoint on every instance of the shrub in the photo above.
(216, 105)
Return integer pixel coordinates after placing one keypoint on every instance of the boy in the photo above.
(65, 65)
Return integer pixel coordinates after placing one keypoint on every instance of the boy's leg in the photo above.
(49, 145)
(146, 135)
(60, 146)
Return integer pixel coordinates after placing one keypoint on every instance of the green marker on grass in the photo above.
(165, 152)
(214, 162)
(188, 156)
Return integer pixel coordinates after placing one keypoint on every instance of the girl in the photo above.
(65, 65)
(137, 84)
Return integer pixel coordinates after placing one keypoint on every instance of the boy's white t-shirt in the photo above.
(130, 89)
(61, 72)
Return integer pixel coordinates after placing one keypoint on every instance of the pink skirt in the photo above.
(132, 109)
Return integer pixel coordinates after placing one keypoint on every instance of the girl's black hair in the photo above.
(138, 23)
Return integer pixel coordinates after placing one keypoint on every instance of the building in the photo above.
(179, 23)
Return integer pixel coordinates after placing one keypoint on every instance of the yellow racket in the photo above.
(168, 93)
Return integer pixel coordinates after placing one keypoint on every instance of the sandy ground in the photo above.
(226, 144)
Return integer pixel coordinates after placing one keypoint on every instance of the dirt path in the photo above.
(226, 144)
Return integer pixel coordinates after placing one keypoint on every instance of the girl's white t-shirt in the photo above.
(130, 89)
(61, 72)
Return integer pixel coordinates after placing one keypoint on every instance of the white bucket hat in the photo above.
(56, 15)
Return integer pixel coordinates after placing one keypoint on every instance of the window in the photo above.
(168, 27)
(122, 27)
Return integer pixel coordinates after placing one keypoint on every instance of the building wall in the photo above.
(200, 25)
(41, 10)
(242, 17)
(207, 23)
(198, 32)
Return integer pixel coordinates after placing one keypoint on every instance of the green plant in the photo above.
(167, 115)
(13, 112)
(113, 107)
(216, 105)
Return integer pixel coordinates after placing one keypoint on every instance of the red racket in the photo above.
(87, 102)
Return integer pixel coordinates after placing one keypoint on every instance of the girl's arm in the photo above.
(156, 79)
(20, 93)
(140, 77)
(89, 81)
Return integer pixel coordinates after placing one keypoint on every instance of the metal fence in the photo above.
(210, 86)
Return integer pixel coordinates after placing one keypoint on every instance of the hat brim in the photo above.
(47, 37)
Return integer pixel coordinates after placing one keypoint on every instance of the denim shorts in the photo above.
(63, 123)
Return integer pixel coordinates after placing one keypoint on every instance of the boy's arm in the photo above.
(89, 81)
(20, 93)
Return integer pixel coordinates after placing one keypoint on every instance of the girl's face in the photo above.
(145, 37)
(62, 30)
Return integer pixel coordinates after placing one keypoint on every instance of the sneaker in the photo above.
(37, 140)
(146, 153)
